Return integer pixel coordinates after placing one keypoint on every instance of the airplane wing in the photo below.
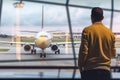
(21, 43)
(30, 31)
(63, 43)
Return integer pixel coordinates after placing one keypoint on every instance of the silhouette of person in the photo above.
(96, 49)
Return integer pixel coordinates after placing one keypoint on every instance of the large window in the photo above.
(64, 20)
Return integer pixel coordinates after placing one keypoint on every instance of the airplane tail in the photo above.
(42, 18)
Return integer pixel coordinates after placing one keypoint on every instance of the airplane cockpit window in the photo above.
(41, 38)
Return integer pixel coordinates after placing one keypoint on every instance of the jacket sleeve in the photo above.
(83, 51)
(113, 48)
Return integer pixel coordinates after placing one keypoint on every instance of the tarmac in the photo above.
(65, 58)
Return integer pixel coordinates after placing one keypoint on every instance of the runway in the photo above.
(34, 59)
(66, 58)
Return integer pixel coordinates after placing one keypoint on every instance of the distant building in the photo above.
(63, 35)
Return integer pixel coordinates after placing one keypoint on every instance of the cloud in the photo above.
(54, 16)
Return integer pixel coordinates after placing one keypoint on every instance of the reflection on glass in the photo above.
(18, 39)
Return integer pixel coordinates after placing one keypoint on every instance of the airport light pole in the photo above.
(19, 4)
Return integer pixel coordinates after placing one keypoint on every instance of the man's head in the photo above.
(97, 14)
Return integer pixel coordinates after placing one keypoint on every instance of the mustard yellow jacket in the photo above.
(97, 47)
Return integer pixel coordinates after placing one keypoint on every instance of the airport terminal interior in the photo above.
(40, 39)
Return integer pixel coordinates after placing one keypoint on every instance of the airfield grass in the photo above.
(54, 40)
(23, 39)
(29, 40)
(4, 50)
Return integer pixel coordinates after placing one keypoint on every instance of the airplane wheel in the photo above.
(55, 52)
(35, 51)
(32, 51)
(58, 51)
(40, 54)
(44, 54)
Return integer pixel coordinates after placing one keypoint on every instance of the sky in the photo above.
(55, 18)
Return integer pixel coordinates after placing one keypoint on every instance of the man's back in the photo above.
(96, 49)
(99, 40)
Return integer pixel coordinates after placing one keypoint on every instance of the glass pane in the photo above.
(92, 3)
(81, 18)
(29, 18)
(116, 30)
(117, 4)
(107, 18)
(116, 22)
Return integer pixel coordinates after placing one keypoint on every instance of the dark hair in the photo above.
(97, 13)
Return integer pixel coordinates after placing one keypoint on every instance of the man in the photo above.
(97, 48)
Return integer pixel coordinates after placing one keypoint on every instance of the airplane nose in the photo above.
(41, 42)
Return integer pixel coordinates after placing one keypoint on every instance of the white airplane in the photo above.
(43, 40)
(117, 35)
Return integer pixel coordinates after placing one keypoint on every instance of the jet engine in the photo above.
(27, 47)
(54, 47)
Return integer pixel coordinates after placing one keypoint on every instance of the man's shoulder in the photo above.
(88, 27)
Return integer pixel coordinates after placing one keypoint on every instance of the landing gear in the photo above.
(42, 54)
(33, 51)
(58, 51)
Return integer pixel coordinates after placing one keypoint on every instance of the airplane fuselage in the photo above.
(43, 39)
